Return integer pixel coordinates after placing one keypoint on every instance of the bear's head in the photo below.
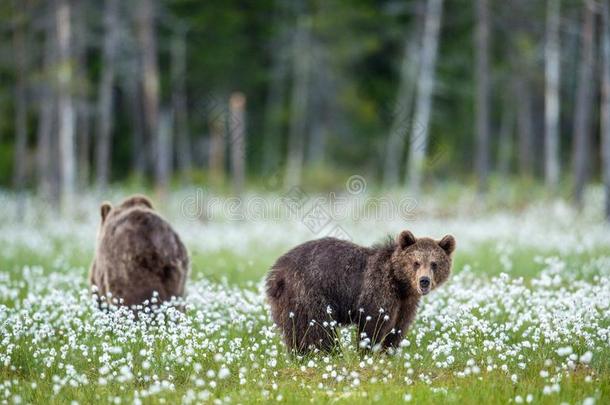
(134, 201)
(423, 263)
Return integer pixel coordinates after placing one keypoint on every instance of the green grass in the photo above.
(488, 388)
(292, 381)
(227, 266)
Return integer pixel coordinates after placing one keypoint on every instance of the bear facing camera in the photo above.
(139, 258)
(329, 282)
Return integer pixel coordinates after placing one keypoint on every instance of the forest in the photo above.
(407, 93)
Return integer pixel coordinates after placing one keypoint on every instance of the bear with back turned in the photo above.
(326, 282)
(138, 253)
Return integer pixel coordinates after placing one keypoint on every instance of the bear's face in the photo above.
(423, 263)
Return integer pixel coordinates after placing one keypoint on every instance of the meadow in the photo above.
(525, 317)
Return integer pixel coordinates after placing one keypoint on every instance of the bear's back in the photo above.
(330, 267)
(139, 230)
(138, 253)
(326, 256)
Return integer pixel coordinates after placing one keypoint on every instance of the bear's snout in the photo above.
(424, 284)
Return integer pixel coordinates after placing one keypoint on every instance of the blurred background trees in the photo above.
(410, 93)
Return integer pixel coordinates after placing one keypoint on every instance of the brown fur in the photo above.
(354, 282)
(137, 253)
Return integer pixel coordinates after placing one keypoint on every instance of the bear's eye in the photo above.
(433, 265)
(416, 265)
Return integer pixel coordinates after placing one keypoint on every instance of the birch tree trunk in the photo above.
(179, 105)
(150, 76)
(320, 103)
(21, 130)
(65, 105)
(524, 124)
(482, 98)
(401, 116)
(551, 110)
(84, 143)
(83, 109)
(299, 101)
(605, 106)
(582, 114)
(217, 125)
(505, 146)
(105, 117)
(277, 92)
(324, 109)
(420, 124)
(132, 86)
(45, 168)
(163, 163)
(237, 131)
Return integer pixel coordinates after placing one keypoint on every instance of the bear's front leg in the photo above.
(393, 338)
(404, 318)
(375, 323)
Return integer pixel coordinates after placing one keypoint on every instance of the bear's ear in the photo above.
(104, 210)
(447, 244)
(144, 201)
(405, 239)
(137, 200)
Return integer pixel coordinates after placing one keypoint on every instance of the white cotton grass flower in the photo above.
(586, 357)
(223, 373)
(225, 340)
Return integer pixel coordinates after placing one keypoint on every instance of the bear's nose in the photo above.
(424, 282)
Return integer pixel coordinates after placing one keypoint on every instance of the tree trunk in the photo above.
(179, 105)
(551, 111)
(320, 103)
(83, 113)
(217, 125)
(237, 135)
(299, 101)
(482, 99)
(45, 158)
(401, 116)
(150, 76)
(21, 130)
(84, 143)
(277, 89)
(605, 106)
(525, 125)
(105, 118)
(65, 105)
(506, 140)
(582, 114)
(420, 124)
(134, 104)
(163, 163)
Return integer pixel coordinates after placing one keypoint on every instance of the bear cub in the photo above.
(138, 253)
(328, 282)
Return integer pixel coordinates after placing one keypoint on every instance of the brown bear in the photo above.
(328, 282)
(137, 254)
